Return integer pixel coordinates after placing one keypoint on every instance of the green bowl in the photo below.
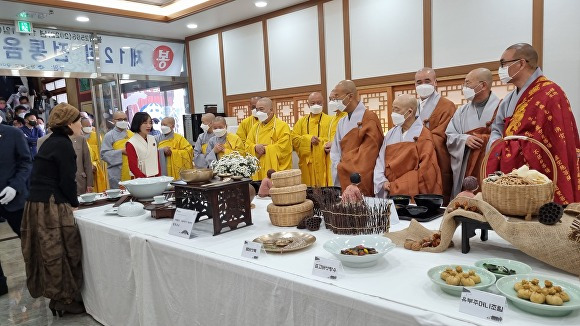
(506, 287)
(487, 279)
(515, 265)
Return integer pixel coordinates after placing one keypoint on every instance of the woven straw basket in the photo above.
(518, 200)
(287, 178)
(290, 215)
(288, 195)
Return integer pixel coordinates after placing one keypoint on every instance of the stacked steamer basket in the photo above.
(289, 204)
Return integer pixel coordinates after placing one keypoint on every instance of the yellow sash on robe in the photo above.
(331, 132)
(181, 155)
(275, 135)
(118, 145)
(100, 175)
(313, 161)
(233, 144)
(204, 149)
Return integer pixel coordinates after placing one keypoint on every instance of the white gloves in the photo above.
(7, 195)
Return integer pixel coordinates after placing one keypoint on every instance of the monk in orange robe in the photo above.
(436, 111)
(407, 163)
(538, 109)
(358, 138)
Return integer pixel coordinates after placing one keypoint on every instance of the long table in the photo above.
(135, 273)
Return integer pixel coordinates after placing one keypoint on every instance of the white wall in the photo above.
(204, 58)
(245, 70)
(386, 37)
(562, 48)
(469, 31)
(334, 43)
(294, 52)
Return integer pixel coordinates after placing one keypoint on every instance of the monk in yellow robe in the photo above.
(247, 124)
(308, 138)
(113, 150)
(269, 141)
(175, 152)
(223, 142)
(99, 172)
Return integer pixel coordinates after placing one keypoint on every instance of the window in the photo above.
(58, 89)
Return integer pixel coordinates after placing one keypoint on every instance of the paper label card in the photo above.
(482, 304)
(182, 224)
(251, 249)
(326, 268)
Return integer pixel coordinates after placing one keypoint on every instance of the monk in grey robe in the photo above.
(113, 150)
(469, 129)
(200, 148)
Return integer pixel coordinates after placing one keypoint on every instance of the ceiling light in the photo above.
(126, 47)
(50, 34)
(191, 25)
(82, 19)
(51, 27)
(260, 4)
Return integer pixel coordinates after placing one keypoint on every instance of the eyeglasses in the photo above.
(503, 62)
(123, 119)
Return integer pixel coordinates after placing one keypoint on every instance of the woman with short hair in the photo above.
(141, 149)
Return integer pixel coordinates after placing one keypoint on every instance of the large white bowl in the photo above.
(145, 188)
(381, 244)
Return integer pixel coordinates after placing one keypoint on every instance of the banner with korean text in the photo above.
(135, 56)
(46, 50)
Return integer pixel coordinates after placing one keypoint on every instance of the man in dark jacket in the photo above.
(16, 165)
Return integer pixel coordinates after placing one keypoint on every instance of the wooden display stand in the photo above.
(227, 204)
(468, 227)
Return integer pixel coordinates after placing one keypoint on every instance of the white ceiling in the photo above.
(229, 13)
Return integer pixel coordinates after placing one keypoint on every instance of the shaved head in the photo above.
(315, 98)
(405, 102)
(119, 115)
(85, 122)
(347, 86)
(525, 51)
(219, 123)
(207, 118)
(481, 74)
(264, 101)
(426, 75)
(169, 122)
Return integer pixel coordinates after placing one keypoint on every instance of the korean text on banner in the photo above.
(135, 56)
(46, 50)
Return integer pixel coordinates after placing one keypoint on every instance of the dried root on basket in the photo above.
(432, 241)
(550, 294)
(519, 177)
(458, 276)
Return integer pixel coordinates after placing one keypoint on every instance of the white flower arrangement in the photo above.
(236, 164)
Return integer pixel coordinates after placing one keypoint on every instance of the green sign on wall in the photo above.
(24, 27)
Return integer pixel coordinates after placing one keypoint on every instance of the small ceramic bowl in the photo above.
(113, 193)
(130, 209)
(381, 244)
(89, 197)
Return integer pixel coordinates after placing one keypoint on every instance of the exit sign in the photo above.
(23, 27)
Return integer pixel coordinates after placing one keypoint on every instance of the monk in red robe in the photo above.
(538, 109)
(357, 140)
(435, 111)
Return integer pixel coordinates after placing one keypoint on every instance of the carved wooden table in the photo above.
(468, 227)
(227, 203)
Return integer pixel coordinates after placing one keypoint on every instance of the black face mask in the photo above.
(32, 123)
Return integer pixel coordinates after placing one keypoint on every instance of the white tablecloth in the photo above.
(138, 274)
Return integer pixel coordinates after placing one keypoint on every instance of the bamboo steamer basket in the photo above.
(290, 215)
(518, 200)
(288, 195)
(287, 178)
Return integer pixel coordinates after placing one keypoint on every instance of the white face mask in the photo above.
(87, 130)
(44, 97)
(122, 124)
(165, 129)
(254, 111)
(24, 94)
(469, 93)
(504, 75)
(26, 105)
(398, 119)
(425, 90)
(204, 127)
(336, 105)
(262, 116)
(219, 132)
(315, 109)
(22, 114)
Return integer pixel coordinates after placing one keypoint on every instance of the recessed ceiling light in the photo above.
(191, 25)
(260, 4)
(49, 34)
(50, 27)
(82, 19)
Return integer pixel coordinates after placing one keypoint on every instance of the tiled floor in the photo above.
(18, 307)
